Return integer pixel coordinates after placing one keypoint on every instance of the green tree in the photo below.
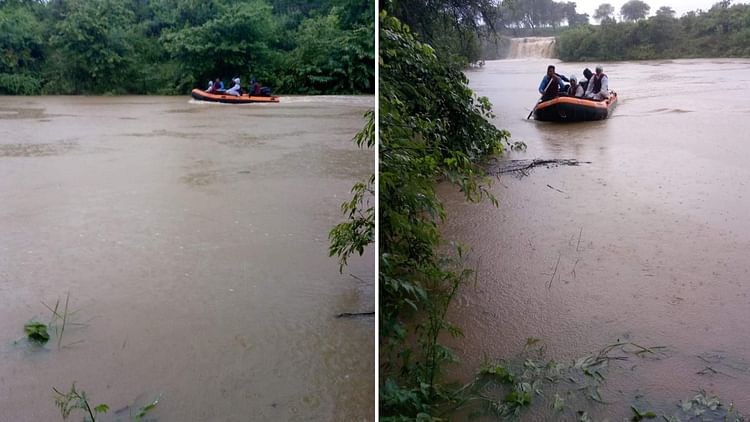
(605, 13)
(239, 41)
(330, 59)
(634, 10)
(432, 127)
(21, 49)
(91, 47)
(665, 11)
(172, 46)
(441, 20)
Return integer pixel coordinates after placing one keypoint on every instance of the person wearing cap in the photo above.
(234, 90)
(575, 89)
(598, 87)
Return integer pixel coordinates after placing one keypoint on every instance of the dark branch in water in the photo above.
(554, 188)
(355, 314)
(521, 166)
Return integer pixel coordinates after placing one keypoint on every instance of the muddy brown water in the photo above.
(192, 239)
(652, 237)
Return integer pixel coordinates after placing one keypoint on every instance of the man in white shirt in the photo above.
(235, 90)
(598, 87)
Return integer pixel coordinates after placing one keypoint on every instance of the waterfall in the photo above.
(531, 47)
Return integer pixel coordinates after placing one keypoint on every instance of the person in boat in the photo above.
(598, 87)
(234, 90)
(588, 74)
(575, 89)
(215, 87)
(257, 90)
(552, 84)
(254, 87)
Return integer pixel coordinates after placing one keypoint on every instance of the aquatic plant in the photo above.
(36, 332)
(78, 401)
(39, 333)
(143, 411)
(75, 400)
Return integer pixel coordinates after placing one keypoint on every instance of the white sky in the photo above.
(679, 6)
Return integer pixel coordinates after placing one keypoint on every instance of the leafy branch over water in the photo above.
(432, 128)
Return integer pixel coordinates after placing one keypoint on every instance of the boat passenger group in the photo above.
(594, 87)
(217, 87)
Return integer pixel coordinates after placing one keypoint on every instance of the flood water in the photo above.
(647, 243)
(192, 241)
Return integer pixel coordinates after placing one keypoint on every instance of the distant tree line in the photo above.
(722, 31)
(172, 46)
(529, 17)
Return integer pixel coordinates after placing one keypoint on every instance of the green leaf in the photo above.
(36, 331)
(102, 408)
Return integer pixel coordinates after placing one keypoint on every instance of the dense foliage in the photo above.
(460, 31)
(722, 31)
(172, 46)
(451, 28)
(432, 127)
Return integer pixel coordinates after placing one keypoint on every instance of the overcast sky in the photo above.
(679, 6)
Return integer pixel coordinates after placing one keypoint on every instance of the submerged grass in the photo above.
(510, 389)
(77, 402)
(507, 388)
(39, 333)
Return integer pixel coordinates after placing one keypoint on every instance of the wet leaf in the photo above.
(36, 331)
(532, 341)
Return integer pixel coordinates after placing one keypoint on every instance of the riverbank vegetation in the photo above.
(172, 46)
(432, 128)
(721, 31)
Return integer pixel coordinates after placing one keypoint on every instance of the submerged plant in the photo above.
(36, 332)
(505, 389)
(40, 333)
(76, 400)
(144, 410)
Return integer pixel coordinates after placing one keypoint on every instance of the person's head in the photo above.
(587, 73)
(599, 69)
(218, 80)
(573, 80)
(550, 70)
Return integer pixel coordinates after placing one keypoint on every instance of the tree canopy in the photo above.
(172, 46)
(534, 14)
(665, 11)
(604, 13)
(634, 10)
(722, 31)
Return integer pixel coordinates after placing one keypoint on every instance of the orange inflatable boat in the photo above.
(201, 95)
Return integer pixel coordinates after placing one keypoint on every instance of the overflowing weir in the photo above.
(531, 47)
